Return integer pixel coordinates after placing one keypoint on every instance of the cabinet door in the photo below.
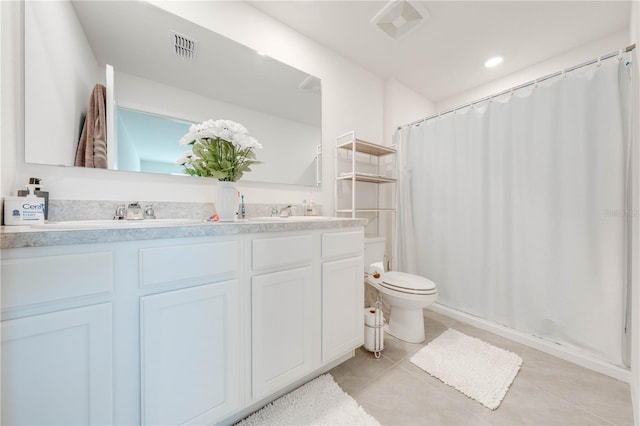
(190, 354)
(57, 368)
(342, 307)
(281, 329)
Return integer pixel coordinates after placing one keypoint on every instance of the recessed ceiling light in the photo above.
(492, 62)
(261, 53)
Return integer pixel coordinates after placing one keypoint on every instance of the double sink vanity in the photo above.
(167, 321)
(173, 321)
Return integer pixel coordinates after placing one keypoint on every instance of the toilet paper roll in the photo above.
(373, 336)
(370, 316)
(376, 270)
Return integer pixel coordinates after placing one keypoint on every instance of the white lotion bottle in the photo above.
(32, 207)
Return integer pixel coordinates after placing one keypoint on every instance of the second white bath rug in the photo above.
(477, 369)
(319, 402)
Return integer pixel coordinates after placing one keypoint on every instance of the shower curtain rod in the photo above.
(521, 86)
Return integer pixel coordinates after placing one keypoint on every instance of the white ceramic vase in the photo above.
(227, 201)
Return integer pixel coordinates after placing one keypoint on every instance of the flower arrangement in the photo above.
(221, 149)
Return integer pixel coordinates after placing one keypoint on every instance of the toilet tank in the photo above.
(373, 250)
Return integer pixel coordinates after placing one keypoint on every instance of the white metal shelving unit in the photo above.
(350, 175)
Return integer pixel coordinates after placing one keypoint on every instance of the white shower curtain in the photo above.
(515, 209)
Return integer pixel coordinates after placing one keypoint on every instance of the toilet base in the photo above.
(407, 324)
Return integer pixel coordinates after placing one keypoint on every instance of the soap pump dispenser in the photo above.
(311, 208)
(36, 185)
(33, 209)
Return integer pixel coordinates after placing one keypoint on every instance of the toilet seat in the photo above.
(408, 283)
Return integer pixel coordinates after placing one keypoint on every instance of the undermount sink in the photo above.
(289, 218)
(98, 224)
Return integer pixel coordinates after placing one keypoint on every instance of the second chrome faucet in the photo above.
(134, 212)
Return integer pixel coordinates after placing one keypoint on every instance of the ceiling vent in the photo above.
(183, 46)
(399, 18)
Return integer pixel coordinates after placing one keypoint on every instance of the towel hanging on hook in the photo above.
(92, 147)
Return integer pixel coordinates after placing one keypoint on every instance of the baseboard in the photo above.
(568, 354)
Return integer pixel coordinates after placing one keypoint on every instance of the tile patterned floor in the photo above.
(546, 391)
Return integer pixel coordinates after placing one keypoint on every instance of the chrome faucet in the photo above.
(285, 211)
(134, 211)
(149, 213)
(121, 212)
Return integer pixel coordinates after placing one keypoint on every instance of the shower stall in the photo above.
(519, 207)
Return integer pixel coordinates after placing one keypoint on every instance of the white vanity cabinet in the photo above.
(193, 330)
(57, 337)
(309, 311)
(282, 306)
(56, 368)
(190, 354)
(190, 340)
(342, 293)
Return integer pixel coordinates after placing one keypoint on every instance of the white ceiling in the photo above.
(223, 70)
(445, 56)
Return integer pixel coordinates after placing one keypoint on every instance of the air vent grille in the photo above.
(399, 18)
(183, 46)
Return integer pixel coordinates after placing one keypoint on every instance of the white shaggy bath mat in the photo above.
(319, 402)
(477, 369)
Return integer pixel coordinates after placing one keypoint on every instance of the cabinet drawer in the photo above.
(50, 279)
(274, 252)
(162, 265)
(342, 243)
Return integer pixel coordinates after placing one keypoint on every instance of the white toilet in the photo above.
(406, 294)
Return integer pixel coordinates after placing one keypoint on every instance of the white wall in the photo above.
(576, 56)
(402, 105)
(71, 73)
(10, 101)
(352, 99)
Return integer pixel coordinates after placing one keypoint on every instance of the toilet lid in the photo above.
(407, 283)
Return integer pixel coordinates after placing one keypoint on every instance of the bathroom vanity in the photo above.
(198, 323)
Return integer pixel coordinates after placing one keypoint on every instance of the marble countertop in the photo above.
(60, 233)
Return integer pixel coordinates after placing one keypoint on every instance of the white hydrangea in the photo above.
(186, 158)
(213, 161)
(246, 141)
(224, 129)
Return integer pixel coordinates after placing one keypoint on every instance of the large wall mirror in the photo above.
(159, 89)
